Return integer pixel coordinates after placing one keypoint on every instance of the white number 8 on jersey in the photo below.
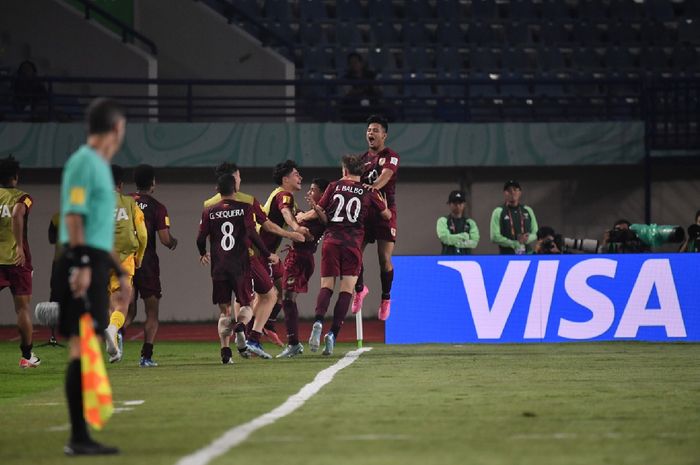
(228, 241)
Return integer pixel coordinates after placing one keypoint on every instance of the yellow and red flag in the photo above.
(97, 392)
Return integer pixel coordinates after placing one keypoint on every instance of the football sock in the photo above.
(254, 336)
(387, 278)
(291, 320)
(275, 312)
(340, 311)
(226, 353)
(26, 351)
(360, 284)
(249, 326)
(147, 350)
(74, 396)
(116, 319)
(323, 301)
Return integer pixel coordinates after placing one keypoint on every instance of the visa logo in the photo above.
(598, 313)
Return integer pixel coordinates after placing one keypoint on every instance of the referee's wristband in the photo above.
(80, 256)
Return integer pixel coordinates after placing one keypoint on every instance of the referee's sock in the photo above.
(74, 395)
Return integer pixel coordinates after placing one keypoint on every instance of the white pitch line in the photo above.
(238, 434)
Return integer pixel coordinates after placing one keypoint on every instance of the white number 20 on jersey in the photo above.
(352, 209)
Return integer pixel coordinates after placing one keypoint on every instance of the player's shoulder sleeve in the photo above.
(258, 213)
(26, 200)
(161, 217)
(325, 199)
(77, 186)
(389, 160)
(244, 198)
(284, 200)
(213, 200)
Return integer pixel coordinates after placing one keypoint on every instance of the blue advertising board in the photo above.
(546, 298)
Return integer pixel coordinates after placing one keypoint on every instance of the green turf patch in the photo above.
(617, 403)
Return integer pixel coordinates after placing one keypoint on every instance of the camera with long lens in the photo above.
(579, 245)
(654, 235)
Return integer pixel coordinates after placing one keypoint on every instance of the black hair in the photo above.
(144, 176)
(545, 231)
(380, 120)
(117, 174)
(226, 185)
(225, 168)
(102, 115)
(620, 222)
(9, 169)
(283, 169)
(353, 164)
(321, 183)
(697, 213)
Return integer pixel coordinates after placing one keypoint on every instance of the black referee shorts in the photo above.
(96, 302)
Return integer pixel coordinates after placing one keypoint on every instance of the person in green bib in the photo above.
(15, 258)
(513, 225)
(458, 234)
(86, 233)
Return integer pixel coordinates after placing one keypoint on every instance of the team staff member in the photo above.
(147, 278)
(380, 171)
(130, 238)
(15, 258)
(457, 233)
(513, 225)
(86, 232)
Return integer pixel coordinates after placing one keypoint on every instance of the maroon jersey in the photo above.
(316, 228)
(230, 227)
(347, 204)
(156, 217)
(278, 200)
(374, 164)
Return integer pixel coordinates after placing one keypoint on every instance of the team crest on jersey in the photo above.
(290, 280)
(381, 161)
(394, 161)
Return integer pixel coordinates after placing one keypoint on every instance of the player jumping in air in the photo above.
(380, 167)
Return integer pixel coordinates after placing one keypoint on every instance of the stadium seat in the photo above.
(660, 10)
(422, 90)
(685, 60)
(586, 59)
(515, 86)
(586, 34)
(626, 10)
(380, 9)
(278, 10)
(414, 33)
(456, 90)
(383, 33)
(282, 29)
(311, 33)
(347, 34)
(550, 59)
(449, 10)
(481, 34)
(555, 10)
(312, 10)
(317, 59)
(484, 88)
(689, 32)
(348, 10)
(654, 60)
(450, 34)
(622, 33)
(658, 33)
(416, 59)
(251, 7)
(380, 59)
(518, 34)
(619, 58)
(554, 34)
(484, 10)
(591, 10)
(417, 10)
(484, 60)
(519, 10)
(517, 59)
(448, 59)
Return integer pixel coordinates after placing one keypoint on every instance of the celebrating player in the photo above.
(281, 209)
(299, 267)
(262, 283)
(147, 278)
(15, 258)
(230, 227)
(380, 167)
(130, 238)
(344, 208)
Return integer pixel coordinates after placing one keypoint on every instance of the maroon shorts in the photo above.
(298, 269)
(340, 260)
(18, 278)
(241, 285)
(146, 286)
(259, 270)
(377, 228)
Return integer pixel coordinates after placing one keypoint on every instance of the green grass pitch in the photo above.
(586, 403)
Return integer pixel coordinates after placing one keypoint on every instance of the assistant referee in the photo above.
(86, 232)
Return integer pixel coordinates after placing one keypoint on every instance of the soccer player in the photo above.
(86, 233)
(130, 238)
(262, 283)
(15, 258)
(281, 209)
(147, 277)
(299, 267)
(230, 227)
(343, 208)
(380, 170)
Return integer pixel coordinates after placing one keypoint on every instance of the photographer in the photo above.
(547, 241)
(692, 242)
(621, 239)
